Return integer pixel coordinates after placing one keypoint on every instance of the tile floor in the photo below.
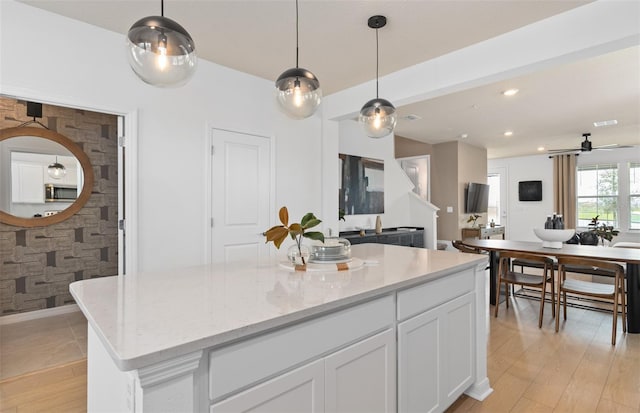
(38, 344)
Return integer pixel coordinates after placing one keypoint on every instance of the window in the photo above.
(634, 195)
(597, 193)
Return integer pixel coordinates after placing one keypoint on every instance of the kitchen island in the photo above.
(405, 332)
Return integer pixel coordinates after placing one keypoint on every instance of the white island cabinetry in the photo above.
(356, 358)
(358, 378)
(405, 334)
(436, 359)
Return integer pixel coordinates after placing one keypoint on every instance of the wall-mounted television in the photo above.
(476, 198)
(530, 190)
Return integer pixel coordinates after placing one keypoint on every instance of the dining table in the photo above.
(628, 256)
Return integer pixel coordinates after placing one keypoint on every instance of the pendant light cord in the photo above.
(297, 53)
(377, 63)
(162, 8)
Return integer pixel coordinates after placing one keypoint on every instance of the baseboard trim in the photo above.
(36, 314)
(479, 391)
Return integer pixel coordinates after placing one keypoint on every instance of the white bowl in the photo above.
(553, 238)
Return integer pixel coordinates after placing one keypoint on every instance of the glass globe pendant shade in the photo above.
(56, 170)
(161, 52)
(378, 117)
(298, 93)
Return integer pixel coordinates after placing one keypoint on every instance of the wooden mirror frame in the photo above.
(87, 171)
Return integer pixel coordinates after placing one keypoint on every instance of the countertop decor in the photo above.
(298, 254)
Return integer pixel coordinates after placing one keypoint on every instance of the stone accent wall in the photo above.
(38, 264)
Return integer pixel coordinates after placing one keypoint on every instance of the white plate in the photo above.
(353, 264)
(330, 261)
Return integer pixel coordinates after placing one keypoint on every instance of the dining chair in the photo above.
(614, 292)
(465, 248)
(507, 276)
(457, 244)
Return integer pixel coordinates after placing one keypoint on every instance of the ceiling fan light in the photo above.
(161, 52)
(378, 117)
(298, 93)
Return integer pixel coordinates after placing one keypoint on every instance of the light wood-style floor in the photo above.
(574, 370)
(42, 343)
(531, 369)
(60, 389)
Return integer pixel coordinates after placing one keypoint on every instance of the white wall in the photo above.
(524, 216)
(353, 141)
(298, 177)
(57, 60)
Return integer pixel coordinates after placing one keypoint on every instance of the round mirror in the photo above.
(45, 177)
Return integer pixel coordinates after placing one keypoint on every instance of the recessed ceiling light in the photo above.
(464, 136)
(605, 123)
(508, 133)
(510, 92)
(412, 117)
(540, 148)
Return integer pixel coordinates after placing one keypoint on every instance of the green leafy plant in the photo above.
(602, 230)
(278, 233)
(473, 218)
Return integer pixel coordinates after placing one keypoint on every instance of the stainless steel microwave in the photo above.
(60, 193)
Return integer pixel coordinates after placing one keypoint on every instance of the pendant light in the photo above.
(56, 170)
(298, 90)
(160, 51)
(378, 116)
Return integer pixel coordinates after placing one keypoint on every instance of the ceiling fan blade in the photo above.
(612, 146)
(562, 150)
(552, 152)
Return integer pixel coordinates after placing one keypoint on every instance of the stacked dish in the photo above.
(333, 250)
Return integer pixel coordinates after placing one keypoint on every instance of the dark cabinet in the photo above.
(413, 237)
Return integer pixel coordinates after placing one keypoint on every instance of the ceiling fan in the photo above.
(585, 146)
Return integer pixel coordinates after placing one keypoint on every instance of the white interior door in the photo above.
(498, 197)
(240, 201)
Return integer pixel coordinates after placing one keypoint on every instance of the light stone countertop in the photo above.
(150, 317)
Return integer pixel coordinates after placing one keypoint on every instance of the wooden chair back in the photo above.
(614, 292)
(457, 244)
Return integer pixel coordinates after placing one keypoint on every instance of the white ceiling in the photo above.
(553, 107)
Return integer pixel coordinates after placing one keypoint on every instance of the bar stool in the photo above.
(508, 276)
(593, 289)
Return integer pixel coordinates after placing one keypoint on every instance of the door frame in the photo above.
(127, 248)
(503, 172)
(208, 182)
